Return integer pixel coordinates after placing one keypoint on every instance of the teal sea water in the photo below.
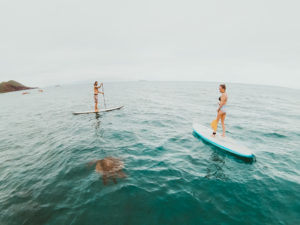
(173, 177)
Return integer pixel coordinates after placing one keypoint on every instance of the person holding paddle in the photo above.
(221, 110)
(96, 92)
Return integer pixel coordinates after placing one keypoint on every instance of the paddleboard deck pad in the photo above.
(99, 111)
(224, 143)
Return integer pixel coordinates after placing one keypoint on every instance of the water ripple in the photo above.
(172, 176)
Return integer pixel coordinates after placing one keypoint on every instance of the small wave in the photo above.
(274, 134)
(238, 127)
(296, 134)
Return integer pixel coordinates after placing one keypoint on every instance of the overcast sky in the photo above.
(58, 41)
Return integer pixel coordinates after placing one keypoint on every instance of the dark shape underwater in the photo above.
(110, 168)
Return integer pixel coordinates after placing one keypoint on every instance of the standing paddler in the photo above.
(221, 110)
(96, 92)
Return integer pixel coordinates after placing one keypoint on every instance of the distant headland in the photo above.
(12, 86)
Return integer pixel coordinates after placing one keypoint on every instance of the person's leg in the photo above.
(96, 102)
(223, 116)
(219, 116)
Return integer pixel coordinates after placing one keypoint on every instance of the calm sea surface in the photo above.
(172, 176)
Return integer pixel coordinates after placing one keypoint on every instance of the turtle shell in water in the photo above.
(109, 165)
(109, 168)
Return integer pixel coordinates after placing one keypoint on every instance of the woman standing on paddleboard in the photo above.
(96, 91)
(221, 110)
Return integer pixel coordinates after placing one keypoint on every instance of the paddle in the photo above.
(103, 96)
(214, 125)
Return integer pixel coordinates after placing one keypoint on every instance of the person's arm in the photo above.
(222, 102)
(100, 85)
(102, 93)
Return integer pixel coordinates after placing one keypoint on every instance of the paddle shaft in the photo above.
(103, 96)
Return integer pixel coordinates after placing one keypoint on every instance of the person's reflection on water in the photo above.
(97, 116)
(98, 130)
(215, 168)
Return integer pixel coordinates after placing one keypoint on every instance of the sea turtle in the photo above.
(109, 168)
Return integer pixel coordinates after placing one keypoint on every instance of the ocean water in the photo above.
(173, 177)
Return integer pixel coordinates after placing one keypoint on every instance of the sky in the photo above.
(55, 42)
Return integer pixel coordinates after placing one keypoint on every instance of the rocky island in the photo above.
(12, 86)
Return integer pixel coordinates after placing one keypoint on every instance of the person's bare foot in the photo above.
(223, 135)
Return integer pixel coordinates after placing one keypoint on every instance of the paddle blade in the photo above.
(214, 125)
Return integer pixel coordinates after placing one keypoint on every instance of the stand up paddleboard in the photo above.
(224, 143)
(99, 111)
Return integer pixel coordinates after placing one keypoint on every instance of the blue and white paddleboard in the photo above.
(224, 143)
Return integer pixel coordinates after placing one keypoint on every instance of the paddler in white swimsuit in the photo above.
(96, 92)
(222, 108)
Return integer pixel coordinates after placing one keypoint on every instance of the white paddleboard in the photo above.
(99, 111)
(224, 143)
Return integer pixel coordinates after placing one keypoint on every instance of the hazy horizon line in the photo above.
(148, 80)
(144, 80)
